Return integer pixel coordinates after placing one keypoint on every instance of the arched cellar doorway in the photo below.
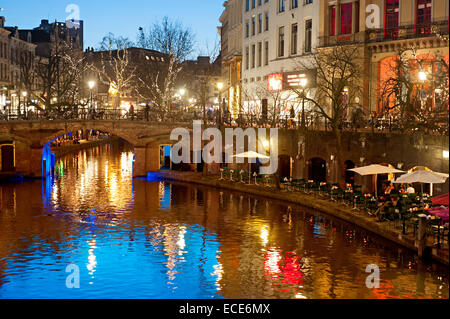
(317, 169)
(7, 157)
(349, 175)
(284, 166)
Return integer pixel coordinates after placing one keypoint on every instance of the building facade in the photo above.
(381, 29)
(14, 51)
(279, 37)
(231, 52)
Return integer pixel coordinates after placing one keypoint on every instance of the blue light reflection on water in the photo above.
(146, 238)
(162, 263)
(117, 257)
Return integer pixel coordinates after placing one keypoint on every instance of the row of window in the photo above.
(294, 39)
(257, 79)
(257, 27)
(346, 10)
(254, 53)
(253, 4)
(422, 17)
(293, 4)
(255, 57)
(391, 17)
(3, 50)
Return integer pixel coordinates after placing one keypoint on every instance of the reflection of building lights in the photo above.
(92, 258)
(445, 154)
(181, 243)
(272, 261)
(264, 234)
(218, 271)
(265, 143)
(300, 296)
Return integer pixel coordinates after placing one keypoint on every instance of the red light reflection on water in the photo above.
(388, 291)
(283, 269)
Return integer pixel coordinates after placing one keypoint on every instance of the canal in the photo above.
(153, 239)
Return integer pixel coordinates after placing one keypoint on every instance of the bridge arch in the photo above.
(35, 136)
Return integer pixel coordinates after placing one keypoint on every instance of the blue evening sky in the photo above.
(119, 17)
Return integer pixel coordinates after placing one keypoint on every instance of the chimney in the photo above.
(2, 22)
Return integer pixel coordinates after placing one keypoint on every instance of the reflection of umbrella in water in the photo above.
(251, 154)
(375, 169)
(422, 176)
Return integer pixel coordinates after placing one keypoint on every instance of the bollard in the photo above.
(421, 235)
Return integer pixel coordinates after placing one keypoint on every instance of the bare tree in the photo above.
(260, 91)
(200, 77)
(176, 43)
(54, 82)
(338, 89)
(115, 67)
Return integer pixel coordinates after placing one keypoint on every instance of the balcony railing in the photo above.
(380, 35)
(407, 32)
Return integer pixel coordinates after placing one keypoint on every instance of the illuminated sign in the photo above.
(294, 79)
(275, 82)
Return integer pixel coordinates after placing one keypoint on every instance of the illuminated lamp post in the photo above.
(220, 87)
(303, 82)
(25, 102)
(422, 78)
(91, 85)
(182, 92)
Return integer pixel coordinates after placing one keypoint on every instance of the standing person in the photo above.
(147, 110)
(410, 189)
(131, 111)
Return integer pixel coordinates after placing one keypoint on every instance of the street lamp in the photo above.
(25, 94)
(422, 77)
(303, 82)
(91, 85)
(220, 87)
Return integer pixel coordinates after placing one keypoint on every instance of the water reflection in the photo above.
(139, 239)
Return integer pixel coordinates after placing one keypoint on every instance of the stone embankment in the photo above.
(356, 217)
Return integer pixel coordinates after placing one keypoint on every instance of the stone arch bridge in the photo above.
(29, 138)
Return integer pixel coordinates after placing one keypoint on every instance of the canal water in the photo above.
(145, 238)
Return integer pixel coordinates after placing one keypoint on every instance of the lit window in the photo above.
(391, 19)
(332, 20)
(423, 16)
(346, 18)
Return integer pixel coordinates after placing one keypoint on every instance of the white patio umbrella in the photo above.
(422, 176)
(251, 154)
(375, 169)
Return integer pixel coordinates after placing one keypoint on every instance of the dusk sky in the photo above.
(119, 17)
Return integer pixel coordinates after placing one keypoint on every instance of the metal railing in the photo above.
(385, 34)
(313, 121)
